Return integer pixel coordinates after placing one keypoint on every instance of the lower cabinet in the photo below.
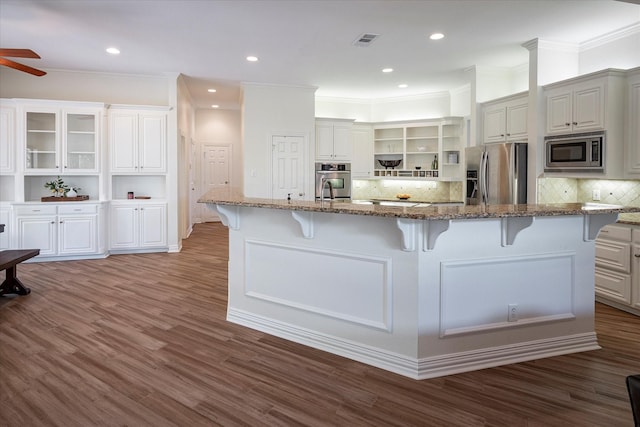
(138, 225)
(59, 230)
(617, 272)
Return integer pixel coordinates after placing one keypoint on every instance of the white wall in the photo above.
(359, 110)
(623, 52)
(86, 86)
(274, 110)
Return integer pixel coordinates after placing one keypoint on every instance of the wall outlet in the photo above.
(513, 313)
(596, 194)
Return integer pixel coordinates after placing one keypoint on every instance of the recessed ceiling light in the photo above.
(387, 70)
(215, 106)
(113, 50)
(211, 90)
(436, 36)
(252, 58)
(403, 85)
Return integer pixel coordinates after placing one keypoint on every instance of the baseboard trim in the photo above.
(415, 368)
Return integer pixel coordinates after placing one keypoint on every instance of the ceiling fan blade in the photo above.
(22, 67)
(19, 53)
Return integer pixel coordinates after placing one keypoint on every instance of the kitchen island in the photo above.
(421, 291)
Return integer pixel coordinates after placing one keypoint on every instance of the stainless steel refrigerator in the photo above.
(497, 174)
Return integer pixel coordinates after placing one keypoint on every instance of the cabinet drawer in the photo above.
(76, 209)
(612, 285)
(615, 232)
(614, 255)
(35, 210)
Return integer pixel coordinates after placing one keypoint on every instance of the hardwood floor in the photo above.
(141, 340)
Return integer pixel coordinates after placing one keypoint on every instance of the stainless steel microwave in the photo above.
(575, 153)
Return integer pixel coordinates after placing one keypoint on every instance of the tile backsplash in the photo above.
(420, 190)
(572, 190)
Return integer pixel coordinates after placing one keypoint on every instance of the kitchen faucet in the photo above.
(323, 182)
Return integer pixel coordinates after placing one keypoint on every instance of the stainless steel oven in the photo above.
(333, 177)
(575, 153)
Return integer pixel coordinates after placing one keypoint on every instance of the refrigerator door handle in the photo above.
(484, 169)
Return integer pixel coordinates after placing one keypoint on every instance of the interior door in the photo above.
(288, 167)
(216, 171)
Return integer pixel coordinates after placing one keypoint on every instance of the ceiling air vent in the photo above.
(365, 39)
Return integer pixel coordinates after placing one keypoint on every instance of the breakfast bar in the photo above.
(422, 291)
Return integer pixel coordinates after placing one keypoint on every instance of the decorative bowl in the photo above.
(389, 163)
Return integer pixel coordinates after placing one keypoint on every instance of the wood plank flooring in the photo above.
(141, 340)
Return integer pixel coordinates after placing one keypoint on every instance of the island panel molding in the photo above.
(332, 293)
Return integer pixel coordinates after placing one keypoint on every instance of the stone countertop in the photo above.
(230, 197)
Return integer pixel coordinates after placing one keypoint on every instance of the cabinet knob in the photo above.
(567, 124)
(502, 134)
(65, 166)
(61, 222)
(575, 123)
(53, 222)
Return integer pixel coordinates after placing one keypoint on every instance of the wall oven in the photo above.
(575, 153)
(339, 175)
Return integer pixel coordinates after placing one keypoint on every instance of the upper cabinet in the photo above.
(362, 138)
(333, 140)
(506, 119)
(7, 137)
(588, 103)
(61, 139)
(138, 141)
(632, 127)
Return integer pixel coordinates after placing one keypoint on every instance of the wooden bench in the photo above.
(9, 261)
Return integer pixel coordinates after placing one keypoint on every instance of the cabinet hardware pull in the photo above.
(575, 123)
(53, 222)
(637, 255)
(567, 124)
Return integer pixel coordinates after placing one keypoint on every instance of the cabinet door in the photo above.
(5, 237)
(7, 139)
(633, 131)
(124, 226)
(38, 233)
(635, 277)
(123, 141)
(324, 141)
(613, 285)
(517, 121)
(559, 114)
(152, 150)
(494, 124)
(77, 234)
(153, 225)
(80, 142)
(342, 143)
(614, 255)
(588, 109)
(42, 142)
(361, 164)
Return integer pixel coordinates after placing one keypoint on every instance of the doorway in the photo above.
(288, 167)
(216, 173)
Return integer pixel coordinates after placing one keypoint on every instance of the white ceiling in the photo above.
(300, 42)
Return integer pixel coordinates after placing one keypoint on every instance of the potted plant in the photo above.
(57, 187)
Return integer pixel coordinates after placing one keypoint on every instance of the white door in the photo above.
(288, 167)
(77, 235)
(216, 173)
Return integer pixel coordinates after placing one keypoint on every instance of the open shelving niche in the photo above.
(152, 186)
(416, 144)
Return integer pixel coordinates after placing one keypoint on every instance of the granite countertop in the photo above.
(231, 197)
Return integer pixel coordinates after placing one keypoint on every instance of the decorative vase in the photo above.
(72, 193)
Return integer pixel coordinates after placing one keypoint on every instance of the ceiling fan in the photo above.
(20, 53)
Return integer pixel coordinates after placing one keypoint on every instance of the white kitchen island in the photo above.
(422, 291)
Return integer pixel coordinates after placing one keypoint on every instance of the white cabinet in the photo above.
(617, 272)
(362, 137)
(575, 109)
(506, 119)
(138, 141)
(632, 126)
(69, 229)
(61, 140)
(7, 137)
(5, 237)
(333, 140)
(138, 225)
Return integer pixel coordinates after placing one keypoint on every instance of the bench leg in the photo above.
(12, 285)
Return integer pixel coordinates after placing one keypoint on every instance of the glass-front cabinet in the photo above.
(61, 141)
